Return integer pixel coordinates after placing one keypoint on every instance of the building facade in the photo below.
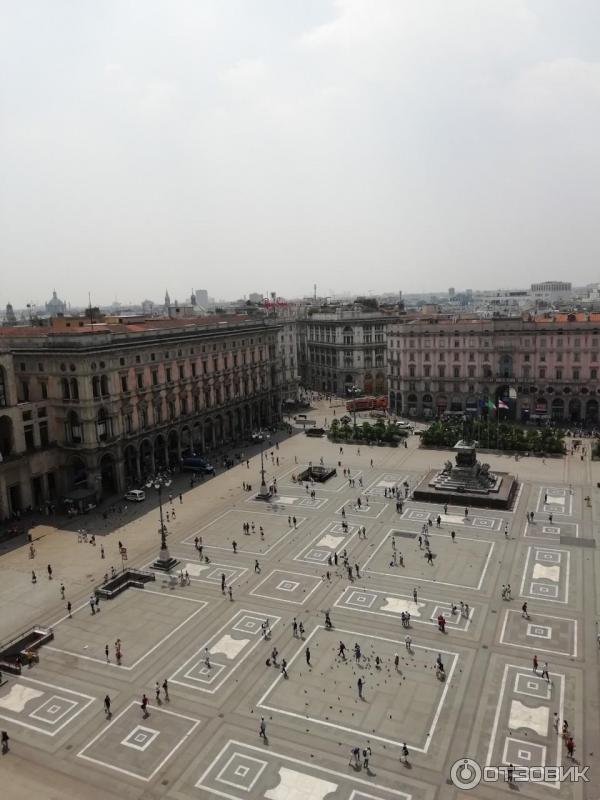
(343, 350)
(541, 367)
(92, 411)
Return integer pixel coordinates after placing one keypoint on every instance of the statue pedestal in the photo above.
(165, 562)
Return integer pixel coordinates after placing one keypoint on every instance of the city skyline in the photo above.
(359, 146)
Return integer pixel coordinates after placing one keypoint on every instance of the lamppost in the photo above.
(263, 493)
(165, 562)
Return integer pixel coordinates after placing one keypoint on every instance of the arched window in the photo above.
(66, 389)
(74, 430)
(74, 389)
(102, 425)
(104, 385)
(3, 392)
(96, 387)
(348, 335)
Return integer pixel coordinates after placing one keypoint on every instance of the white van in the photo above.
(136, 495)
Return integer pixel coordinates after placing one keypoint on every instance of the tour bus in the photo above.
(367, 403)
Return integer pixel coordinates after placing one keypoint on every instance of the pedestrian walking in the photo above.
(524, 612)
(415, 594)
(262, 731)
(165, 688)
(230, 593)
(157, 692)
(107, 706)
(366, 753)
(404, 754)
(570, 744)
(49, 568)
(69, 609)
(556, 722)
(234, 546)
(354, 758)
(256, 566)
(93, 604)
(535, 664)
(396, 661)
(180, 499)
(307, 653)
(106, 653)
(144, 707)
(408, 642)
(360, 684)
(342, 650)
(301, 629)
(545, 673)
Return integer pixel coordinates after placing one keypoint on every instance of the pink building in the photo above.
(543, 366)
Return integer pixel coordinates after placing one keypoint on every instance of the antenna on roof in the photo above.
(90, 308)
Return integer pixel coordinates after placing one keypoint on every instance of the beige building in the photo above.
(91, 411)
(543, 366)
(343, 349)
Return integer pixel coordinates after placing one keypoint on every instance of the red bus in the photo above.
(367, 403)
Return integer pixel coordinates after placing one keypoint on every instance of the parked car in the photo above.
(135, 495)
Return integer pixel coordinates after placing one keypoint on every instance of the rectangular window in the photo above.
(154, 377)
(168, 375)
(427, 356)
(594, 357)
(181, 372)
(594, 374)
(44, 439)
(44, 390)
(471, 356)
(542, 372)
(471, 372)
(140, 380)
(442, 371)
(456, 372)
(559, 374)
(124, 383)
(427, 370)
(577, 356)
(411, 371)
(575, 374)
(29, 443)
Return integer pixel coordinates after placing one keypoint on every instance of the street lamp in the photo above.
(165, 562)
(263, 492)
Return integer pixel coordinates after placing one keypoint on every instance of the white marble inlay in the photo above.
(549, 573)
(294, 785)
(332, 542)
(522, 716)
(399, 604)
(229, 646)
(18, 697)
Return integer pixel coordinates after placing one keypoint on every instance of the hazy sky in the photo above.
(257, 146)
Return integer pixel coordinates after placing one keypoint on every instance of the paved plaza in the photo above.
(213, 663)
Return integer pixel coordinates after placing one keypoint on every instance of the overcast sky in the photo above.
(363, 145)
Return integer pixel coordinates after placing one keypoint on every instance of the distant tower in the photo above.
(11, 317)
(451, 292)
(193, 298)
(167, 300)
(315, 290)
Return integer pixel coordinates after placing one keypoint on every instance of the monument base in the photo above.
(263, 493)
(165, 562)
(502, 497)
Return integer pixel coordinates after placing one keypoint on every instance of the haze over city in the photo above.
(359, 145)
